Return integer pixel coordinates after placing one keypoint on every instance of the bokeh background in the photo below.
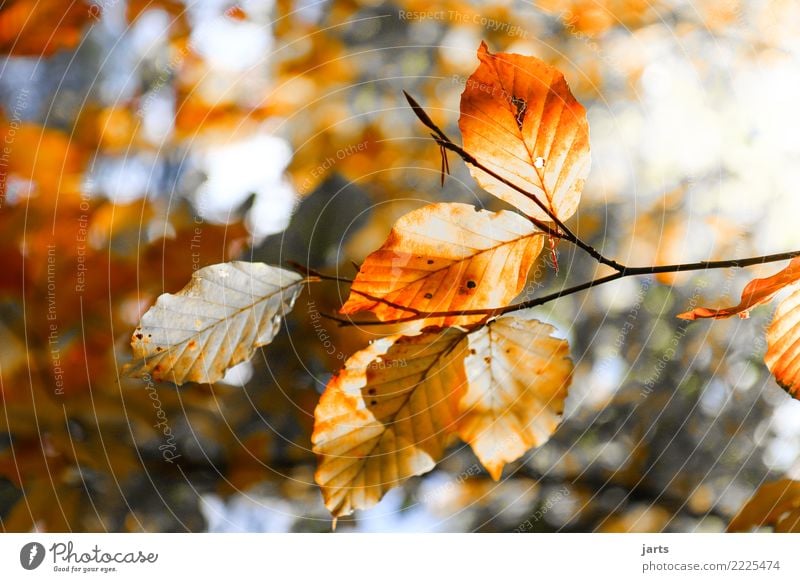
(142, 140)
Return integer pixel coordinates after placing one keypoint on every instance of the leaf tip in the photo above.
(495, 471)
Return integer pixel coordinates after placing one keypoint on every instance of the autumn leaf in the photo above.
(392, 410)
(215, 322)
(47, 159)
(755, 293)
(447, 257)
(386, 416)
(518, 375)
(775, 504)
(519, 119)
(783, 348)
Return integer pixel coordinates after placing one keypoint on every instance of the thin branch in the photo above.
(317, 276)
(562, 232)
(314, 276)
(538, 301)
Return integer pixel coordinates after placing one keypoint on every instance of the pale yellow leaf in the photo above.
(518, 375)
(215, 322)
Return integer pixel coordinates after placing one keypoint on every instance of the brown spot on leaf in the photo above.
(521, 105)
(139, 336)
(471, 284)
(428, 295)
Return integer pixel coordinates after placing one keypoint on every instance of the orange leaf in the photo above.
(783, 344)
(519, 118)
(386, 416)
(755, 293)
(447, 257)
(776, 504)
(39, 28)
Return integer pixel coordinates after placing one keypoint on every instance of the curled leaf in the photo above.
(386, 416)
(214, 323)
(447, 257)
(755, 293)
(519, 119)
(517, 380)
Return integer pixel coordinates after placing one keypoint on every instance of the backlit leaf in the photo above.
(519, 118)
(755, 293)
(518, 375)
(386, 416)
(447, 257)
(212, 324)
(783, 344)
(775, 504)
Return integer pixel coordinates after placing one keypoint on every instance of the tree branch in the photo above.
(538, 301)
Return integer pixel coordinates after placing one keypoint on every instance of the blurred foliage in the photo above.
(144, 140)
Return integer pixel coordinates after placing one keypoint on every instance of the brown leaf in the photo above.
(518, 376)
(755, 293)
(386, 416)
(447, 257)
(775, 504)
(519, 118)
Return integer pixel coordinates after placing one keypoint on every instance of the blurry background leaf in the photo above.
(775, 504)
(386, 416)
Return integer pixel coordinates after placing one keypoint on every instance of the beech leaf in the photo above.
(755, 293)
(783, 344)
(447, 257)
(517, 380)
(519, 119)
